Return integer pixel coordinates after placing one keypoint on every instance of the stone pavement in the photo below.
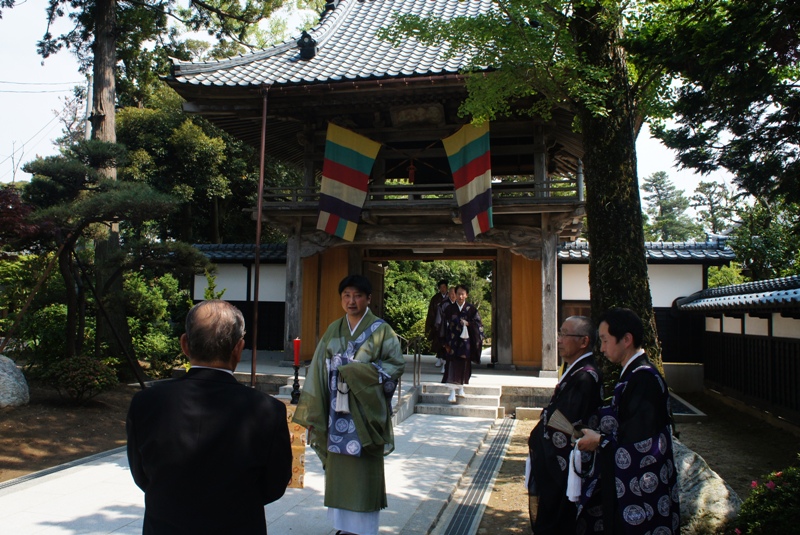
(437, 480)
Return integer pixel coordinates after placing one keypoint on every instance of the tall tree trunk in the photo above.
(107, 251)
(617, 265)
(65, 267)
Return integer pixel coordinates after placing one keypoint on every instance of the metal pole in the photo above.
(257, 271)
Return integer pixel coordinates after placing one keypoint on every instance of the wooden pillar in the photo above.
(549, 298)
(540, 162)
(294, 289)
(501, 335)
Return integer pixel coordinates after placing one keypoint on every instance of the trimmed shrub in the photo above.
(773, 506)
(81, 378)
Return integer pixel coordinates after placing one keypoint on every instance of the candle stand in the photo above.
(296, 386)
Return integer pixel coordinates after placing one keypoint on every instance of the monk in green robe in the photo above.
(355, 367)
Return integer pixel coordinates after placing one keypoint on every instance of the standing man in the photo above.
(577, 395)
(635, 480)
(431, 333)
(346, 406)
(208, 452)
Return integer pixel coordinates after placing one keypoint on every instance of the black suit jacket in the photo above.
(208, 453)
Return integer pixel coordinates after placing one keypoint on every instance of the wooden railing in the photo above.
(378, 196)
(756, 369)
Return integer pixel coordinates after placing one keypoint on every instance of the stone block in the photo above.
(528, 413)
(13, 386)
(707, 502)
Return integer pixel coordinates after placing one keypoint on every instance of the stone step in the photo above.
(439, 388)
(472, 411)
(469, 399)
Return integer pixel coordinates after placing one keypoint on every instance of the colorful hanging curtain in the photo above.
(468, 153)
(345, 175)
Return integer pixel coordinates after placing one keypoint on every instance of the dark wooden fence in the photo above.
(758, 370)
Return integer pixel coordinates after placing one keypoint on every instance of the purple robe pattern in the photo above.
(645, 494)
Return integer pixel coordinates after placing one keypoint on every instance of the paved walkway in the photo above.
(437, 480)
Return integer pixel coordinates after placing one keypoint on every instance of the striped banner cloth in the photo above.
(470, 161)
(345, 175)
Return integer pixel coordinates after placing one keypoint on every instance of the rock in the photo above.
(13, 387)
(707, 502)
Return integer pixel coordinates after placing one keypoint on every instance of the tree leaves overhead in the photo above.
(531, 48)
(738, 103)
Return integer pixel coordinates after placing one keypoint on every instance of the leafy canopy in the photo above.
(736, 97)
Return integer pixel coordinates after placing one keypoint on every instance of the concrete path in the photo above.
(436, 458)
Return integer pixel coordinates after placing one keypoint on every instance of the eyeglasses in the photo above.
(561, 335)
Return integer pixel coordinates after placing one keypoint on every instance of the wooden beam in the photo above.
(549, 296)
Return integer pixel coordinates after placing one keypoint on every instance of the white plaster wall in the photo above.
(713, 325)
(233, 279)
(272, 283)
(731, 325)
(756, 326)
(668, 282)
(785, 327)
(575, 282)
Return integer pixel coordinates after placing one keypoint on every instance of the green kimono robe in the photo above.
(353, 483)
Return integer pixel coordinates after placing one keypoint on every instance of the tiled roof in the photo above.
(709, 252)
(760, 296)
(229, 253)
(350, 51)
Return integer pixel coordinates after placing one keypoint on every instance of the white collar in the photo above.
(634, 357)
(194, 367)
(577, 360)
(354, 329)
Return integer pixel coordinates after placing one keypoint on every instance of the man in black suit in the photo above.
(208, 452)
(577, 396)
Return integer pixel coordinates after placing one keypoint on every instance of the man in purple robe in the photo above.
(577, 396)
(632, 489)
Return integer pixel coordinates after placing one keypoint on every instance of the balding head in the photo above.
(576, 337)
(214, 332)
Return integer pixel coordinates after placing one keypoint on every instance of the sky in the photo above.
(31, 88)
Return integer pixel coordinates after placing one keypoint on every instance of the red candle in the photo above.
(297, 352)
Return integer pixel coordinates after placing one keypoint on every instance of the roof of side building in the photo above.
(773, 295)
(712, 252)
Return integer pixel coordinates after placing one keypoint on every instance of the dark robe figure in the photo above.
(577, 396)
(633, 489)
(431, 332)
(462, 352)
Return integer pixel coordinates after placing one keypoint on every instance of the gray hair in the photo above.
(213, 328)
(584, 327)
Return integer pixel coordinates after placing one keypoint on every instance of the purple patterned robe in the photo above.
(633, 488)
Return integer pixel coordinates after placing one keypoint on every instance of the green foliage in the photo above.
(43, 335)
(773, 505)
(409, 286)
(767, 240)
(403, 314)
(211, 288)
(666, 211)
(714, 206)
(154, 332)
(81, 378)
(725, 275)
(735, 99)
(211, 173)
